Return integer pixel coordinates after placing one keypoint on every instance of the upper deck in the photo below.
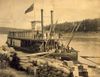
(31, 35)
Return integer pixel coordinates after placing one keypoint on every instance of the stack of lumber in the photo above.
(46, 67)
(39, 65)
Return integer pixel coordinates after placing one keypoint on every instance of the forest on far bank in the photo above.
(87, 25)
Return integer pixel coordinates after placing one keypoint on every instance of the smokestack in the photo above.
(42, 24)
(51, 17)
(51, 21)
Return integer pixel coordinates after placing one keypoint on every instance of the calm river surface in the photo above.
(88, 45)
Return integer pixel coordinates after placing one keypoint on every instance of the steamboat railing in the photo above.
(32, 35)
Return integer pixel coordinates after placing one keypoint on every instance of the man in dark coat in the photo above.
(15, 61)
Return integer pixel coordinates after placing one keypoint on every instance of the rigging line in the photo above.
(55, 26)
(76, 27)
(72, 33)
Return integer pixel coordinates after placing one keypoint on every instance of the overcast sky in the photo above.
(12, 11)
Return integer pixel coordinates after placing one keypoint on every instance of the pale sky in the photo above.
(12, 11)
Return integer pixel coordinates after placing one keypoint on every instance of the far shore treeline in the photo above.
(87, 25)
(5, 30)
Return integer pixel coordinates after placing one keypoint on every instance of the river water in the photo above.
(85, 45)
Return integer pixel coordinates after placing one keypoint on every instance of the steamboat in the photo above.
(47, 43)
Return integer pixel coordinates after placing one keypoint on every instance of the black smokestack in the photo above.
(42, 24)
